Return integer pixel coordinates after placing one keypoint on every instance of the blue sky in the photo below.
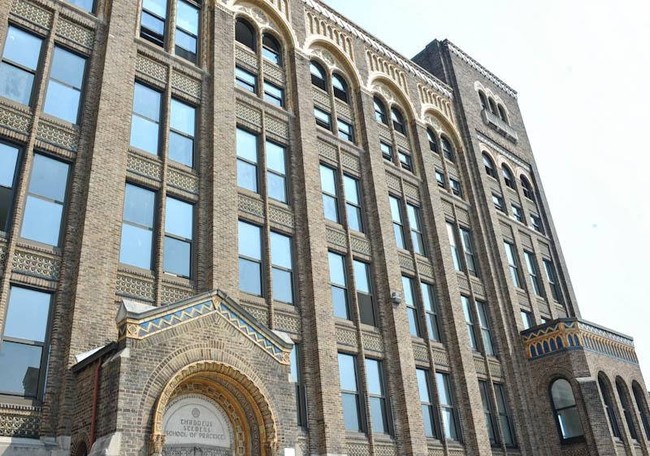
(581, 74)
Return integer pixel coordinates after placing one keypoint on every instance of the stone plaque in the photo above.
(194, 421)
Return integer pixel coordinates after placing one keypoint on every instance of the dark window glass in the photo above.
(152, 22)
(318, 75)
(45, 200)
(271, 49)
(296, 377)
(398, 225)
(642, 406)
(145, 121)
(246, 80)
(247, 173)
(447, 148)
(493, 105)
(8, 167)
(498, 202)
(364, 292)
(137, 227)
(468, 250)
(556, 290)
(453, 243)
(411, 309)
(449, 420)
(433, 143)
(527, 188)
(353, 203)
(504, 415)
(508, 178)
(454, 186)
(380, 111)
(440, 178)
(350, 392)
(282, 267)
(23, 349)
(330, 193)
(415, 225)
(565, 410)
(346, 130)
(517, 213)
(430, 304)
(245, 34)
(276, 174)
(386, 151)
(20, 58)
(340, 87)
(398, 121)
(533, 273)
(338, 285)
(623, 396)
(323, 118)
(489, 166)
(64, 87)
(250, 258)
(513, 264)
(527, 319)
(483, 99)
(426, 403)
(179, 224)
(273, 94)
(609, 406)
(182, 128)
(502, 113)
(469, 321)
(405, 160)
(377, 397)
(536, 223)
(187, 30)
(88, 5)
(484, 323)
(492, 429)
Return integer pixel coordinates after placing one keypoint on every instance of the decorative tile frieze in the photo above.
(183, 181)
(393, 182)
(151, 68)
(359, 245)
(420, 352)
(32, 13)
(251, 206)
(479, 365)
(336, 237)
(358, 449)
(350, 161)
(249, 115)
(327, 150)
(412, 192)
(57, 135)
(20, 421)
(146, 167)
(440, 357)
(425, 268)
(186, 84)
(495, 368)
(277, 127)
(281, 216)
(245, 56)
(36, 264)
(385, 449)
(14, 120)
(321, 98)
(287, 323)
(273, 72)
(134, 286)
(373, 342)
(170, 293)
(76, 33)
(406, 262)
(345, 336)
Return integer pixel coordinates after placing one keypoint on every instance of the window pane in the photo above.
(395, 209)
(8, 159)
(179, 218)
(187, 17)
(366, 309)
(340, 302)
(282, 285)
(361, 278)
(449, 425)
(347, 372)
(423, 386)
(378, 415)
(68, 68)
(281, 250)
(22, 48)
(27, 314)
(330, 209)
(562, 394)
(413, 321)
(250, 277)
(185, 45)
(351, 412)
(246, 80)
(85, 4)
(570, 423)
(276, 187)
(428, 421)
(328, 180)
(62, 101)
(250, 243)
(181, 149)
(177, 257)
(158, 7)
(135, 246)
(146, 102)
(337, 269)
(351, 189)
(15, 84)
(442, 381)
(42, 221)
(246, 145)
(247, 176)
(182, 117)
(49, 178)
(407, 285)
(373, 372)
(144, 134)
(20, 368)
(6, 200)
(354, 218)
(275, 159)
(139, 205)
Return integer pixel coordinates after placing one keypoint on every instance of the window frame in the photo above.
(191, 241)
(533, 273)
(34, 72)
(444, 381)
(12, 191)
(381, 113)
(360, 413)
(197, 36)
(513, 264)
(82, 88)
(250, 28)
(154, 217)
(489, 166)
(259, 261)
(345, 287)
(382, 397)
(556, 410)
(276, 266)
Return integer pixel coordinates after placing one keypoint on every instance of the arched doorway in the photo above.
(195, 425)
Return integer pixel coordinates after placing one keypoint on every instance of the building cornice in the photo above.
(480, 68)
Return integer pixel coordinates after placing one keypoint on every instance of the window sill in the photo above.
(60, 122)
(39, 246)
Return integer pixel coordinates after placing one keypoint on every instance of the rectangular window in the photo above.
(24, 348)
(415, 225)
(323, 118)
(386, 151)
(440, 178)
(454, 185)
(247, 160)
(152, 22)
(145, 120)
(179, 224)
(20, 59)
(8, 171)
(377, 397)
(273, 94)
(339, 285)
(430, 304)
(182, 128)
(137, 227)
(187, 30)
(246, 80)
(353, 203)
(346, 130)
(250, 258)
(276, 173)
(329, 193)
(296, 377)
(498, 202)
(527, 319)
(426, 403)
(552, 280)
(411, 308)
(64, 88)
(468, 250)
(490, 422)
(449, 426)
(362, 282)
(484, 323)
(469, 321)
(46, 195)
(398, 225)
(504, 415)
(533, 273)
(455, 254)
(87, 5)
(282, 267)
(513, 263)
(350, 392)
(517, 213)
(405, 160)
(536, 223)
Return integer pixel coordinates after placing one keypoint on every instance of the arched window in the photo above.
(380, 111)
(271, 49)
(642, 407)
(398, 120)
(245, 34)
(493, 106)
(433, 144)
(527, 188)
(318, 75)
(447, 148)
(483, 98)
(489, 166)
(603, 384)
(628, 412)
(340, 87)
(508, 178)
(502, 114)
(565, 410)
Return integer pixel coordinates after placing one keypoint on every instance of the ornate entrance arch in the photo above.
(228, 395)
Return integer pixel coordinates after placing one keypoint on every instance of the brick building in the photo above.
(250, 228)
